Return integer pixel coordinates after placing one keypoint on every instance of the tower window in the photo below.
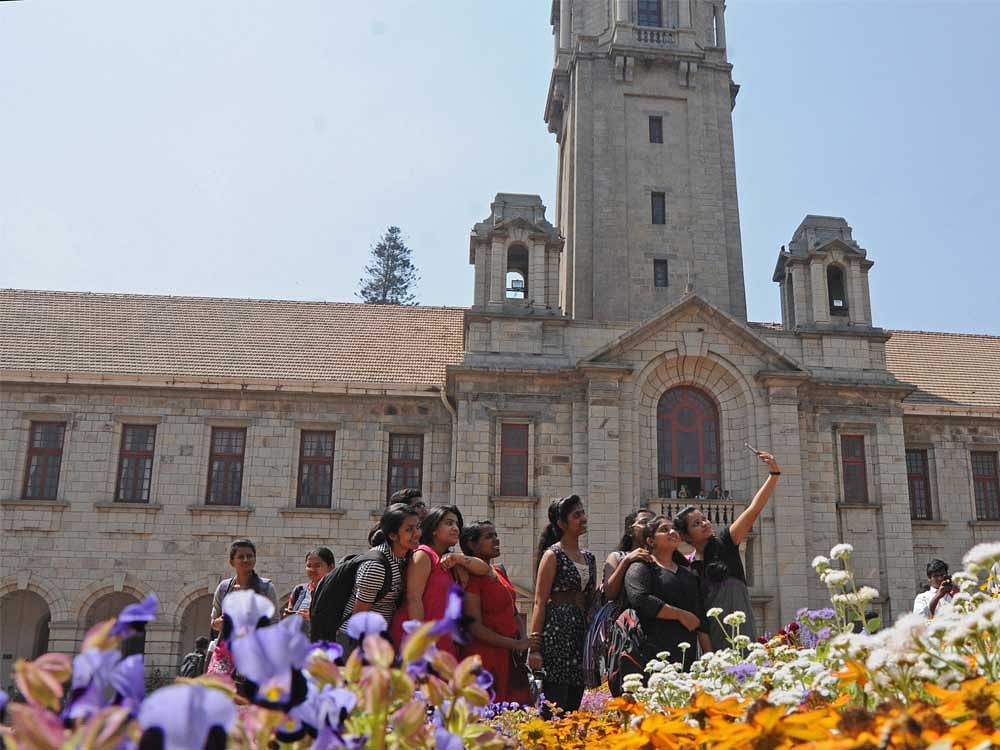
(853, 468)
(660, 278)
(517, 272)
(656, 130)
(836, 288)
(659, 208)
(649, 13)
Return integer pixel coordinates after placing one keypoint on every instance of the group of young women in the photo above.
(415, 565)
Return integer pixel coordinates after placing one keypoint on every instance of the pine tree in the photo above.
(390, 276)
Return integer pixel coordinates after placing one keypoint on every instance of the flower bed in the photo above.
(816, 684)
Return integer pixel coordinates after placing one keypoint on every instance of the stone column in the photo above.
(498, 272)
(604, 464)
(565, 23)
(720, 25)
(684, 14)
(63, 636)
(482, 276)
(799, 296)
(820, 295)
(855, 300)
(621, 11)
(537, 282)
(787, 504)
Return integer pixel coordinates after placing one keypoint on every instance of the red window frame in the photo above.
(231, 487)
(49, 462)
(919, 483)
(319, 490)
(682, 414)
(986, 485)
(854, 470)
(136, 465)
(513, 460)
(404, 471)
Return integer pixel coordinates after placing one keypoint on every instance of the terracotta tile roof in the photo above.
(949, 369)
(131, 334)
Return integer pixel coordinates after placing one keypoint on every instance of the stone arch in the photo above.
(54, 598)
(193, 621)
(836, 288)
(724, 384)
(86, 600)
(24, 629)
(516, 281)
(107, 606)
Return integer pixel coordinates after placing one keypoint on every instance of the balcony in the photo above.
(657, 37)
(720, 512)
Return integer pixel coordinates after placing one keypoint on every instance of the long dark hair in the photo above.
(627, 544)
(559, 510)
(390, 523)
(715, 567)
(649, 531)
(323, 553)
(434, 518)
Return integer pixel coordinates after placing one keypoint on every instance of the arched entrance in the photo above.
(687, 443)
(195, 622)
(109, 607)
(24, 631)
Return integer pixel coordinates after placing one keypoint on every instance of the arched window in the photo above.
(517, 272)
(196, 621)
(109, 607)
(24, 630)
(836, 289)
(687, 437)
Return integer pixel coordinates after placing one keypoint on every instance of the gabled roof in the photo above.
(690, 301)
(960, 370)
(206, 337)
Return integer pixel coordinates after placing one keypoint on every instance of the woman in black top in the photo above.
(667, 597)
(717, 557)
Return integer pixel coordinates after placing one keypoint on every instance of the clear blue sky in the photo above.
(257, 149)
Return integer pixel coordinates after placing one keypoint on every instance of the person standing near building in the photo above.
(193, 664)
(564, 588)
(319, 562)
(717, 557)
(937, 599)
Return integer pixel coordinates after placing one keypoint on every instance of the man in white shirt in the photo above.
(937, 599)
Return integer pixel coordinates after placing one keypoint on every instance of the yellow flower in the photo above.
(768, 728)
(973, 698)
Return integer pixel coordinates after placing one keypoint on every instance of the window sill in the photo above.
(314, 512)
(15, 502)
(514, 500)
(989, 524)
(223, 509)
(870, 506)
(141, 507)
(929, 523)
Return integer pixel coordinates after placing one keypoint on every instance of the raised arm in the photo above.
(742, 525)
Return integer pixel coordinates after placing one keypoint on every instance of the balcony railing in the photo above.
(658, 37)
(720, 512)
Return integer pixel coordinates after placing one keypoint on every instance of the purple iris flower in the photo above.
(90, 687)
(271, 660)
(243, 612)
(484, 679)
(128, 680)
(134, 617)
(329, 649)
(366, 623)
(186, 717)
(323, 709)
(453, 622)
(445, 740)
(3, 703)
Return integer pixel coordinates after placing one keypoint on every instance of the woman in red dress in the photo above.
(494, 626)
(432, 572)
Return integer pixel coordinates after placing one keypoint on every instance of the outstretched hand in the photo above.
(768, 459)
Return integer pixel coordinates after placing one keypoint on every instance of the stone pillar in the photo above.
(621, 11)
(63, 637)
(720, 25)
(482, 276)
(498, 272)
(604, 464)
(820, 295)
(565, 23)
(803, 314)
(684, 14)
(787, 503)
(537, 281)
(855, 300)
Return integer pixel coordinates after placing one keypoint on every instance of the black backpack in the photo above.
(193, 665)
(326, 610)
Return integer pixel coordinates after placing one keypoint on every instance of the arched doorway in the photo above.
(109, 607)
(24, 631)
(687, 443)
(195, 622)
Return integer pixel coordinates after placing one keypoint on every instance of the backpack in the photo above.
(335, 590)
(624, 655)
(193, 665)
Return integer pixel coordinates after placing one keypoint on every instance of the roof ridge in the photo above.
(186, 297)
(945, 333)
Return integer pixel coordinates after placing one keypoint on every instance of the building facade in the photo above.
(608, 354)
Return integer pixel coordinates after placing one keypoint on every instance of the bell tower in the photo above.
(640, 102)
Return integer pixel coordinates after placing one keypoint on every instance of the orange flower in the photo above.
(768, 728)
(853, 672)
(973, 697)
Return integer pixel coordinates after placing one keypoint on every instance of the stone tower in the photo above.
(641, 102)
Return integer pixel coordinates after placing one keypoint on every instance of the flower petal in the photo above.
(185, 714)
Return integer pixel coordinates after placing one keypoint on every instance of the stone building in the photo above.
(608, 354)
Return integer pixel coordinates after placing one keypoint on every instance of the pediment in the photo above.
(678, 317)
(842, 246)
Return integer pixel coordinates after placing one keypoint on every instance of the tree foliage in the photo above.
(390, 277)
